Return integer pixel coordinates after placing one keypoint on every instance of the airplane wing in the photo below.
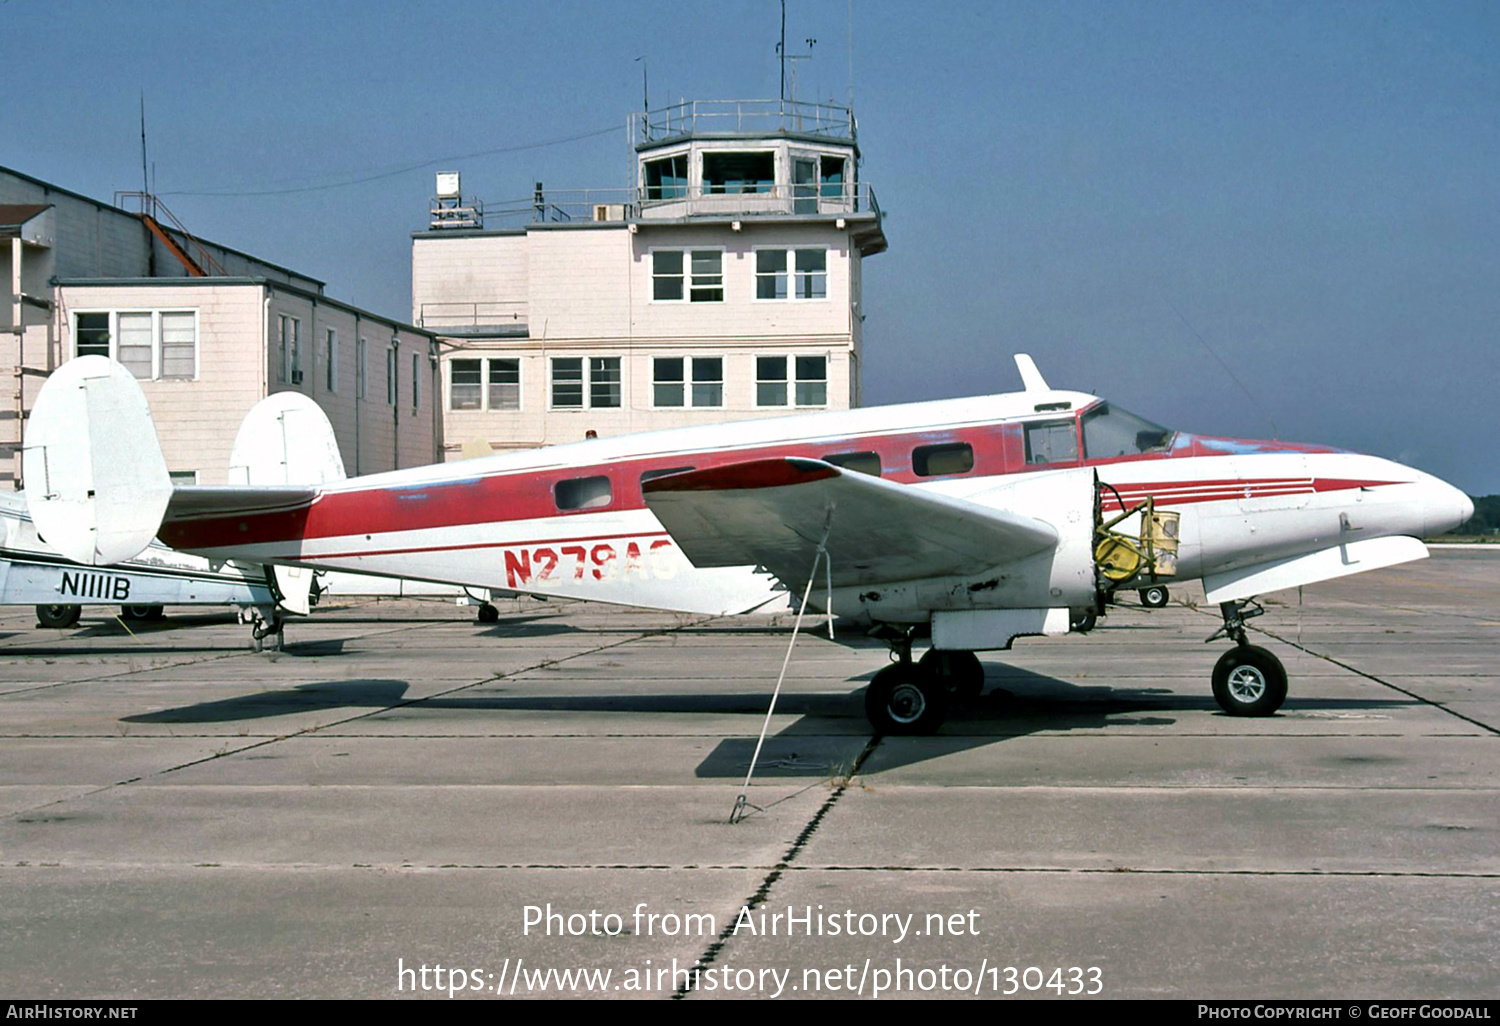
(773, 513)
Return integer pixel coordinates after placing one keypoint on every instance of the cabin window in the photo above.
(939, 460)
(652, 475)
(1109, 431)
(739, 172)
(859, 462)
(583, 493)
(1051, 442)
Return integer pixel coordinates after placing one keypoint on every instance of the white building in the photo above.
(724, 284)
(209, 331)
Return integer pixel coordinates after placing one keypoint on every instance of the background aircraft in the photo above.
(969, 521)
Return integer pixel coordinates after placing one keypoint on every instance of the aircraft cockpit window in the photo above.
(583, 493)
(859, 462)
(938, 460)
(1110, 431)
(1052, 441)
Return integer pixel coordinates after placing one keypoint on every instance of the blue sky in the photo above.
(1131, 192)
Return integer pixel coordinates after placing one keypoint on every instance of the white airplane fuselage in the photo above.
(571, 520)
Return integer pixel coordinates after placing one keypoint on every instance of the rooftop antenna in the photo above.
(851, 55)
(145, 180)
(781, 49)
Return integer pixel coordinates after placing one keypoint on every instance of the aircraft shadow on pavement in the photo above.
(824, 741)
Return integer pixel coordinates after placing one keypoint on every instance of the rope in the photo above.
(742, 802)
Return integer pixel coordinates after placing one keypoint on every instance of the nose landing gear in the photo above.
(1247, 680)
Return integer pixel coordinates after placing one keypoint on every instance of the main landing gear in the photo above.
(909, 697)
(1248, 680)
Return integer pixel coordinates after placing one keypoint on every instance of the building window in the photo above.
(505, 385)
(361, 368)
(791, 274)
(669, 384)
(739, 172)
(465, 385)
(390, 376)
(416, 380)
(331, 360)
(667, 179)
(604, 382)
(697, 275)
(601, 387)
(567, 383)
(91, 334)
(289, 350)
(154, 345)
(133, 347)
(808, 388)
(832, 177)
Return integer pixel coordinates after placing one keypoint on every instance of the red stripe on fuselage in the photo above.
(527, 494)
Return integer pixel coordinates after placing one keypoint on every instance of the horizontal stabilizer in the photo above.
(773, 513)
(96, 481)
(1339, 561)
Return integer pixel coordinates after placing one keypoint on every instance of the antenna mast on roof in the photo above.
(145, 180)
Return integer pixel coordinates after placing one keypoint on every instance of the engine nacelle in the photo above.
(1056, 579)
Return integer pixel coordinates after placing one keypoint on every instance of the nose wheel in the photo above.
(1248, 680)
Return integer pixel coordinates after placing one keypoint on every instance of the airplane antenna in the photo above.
(1232, 376)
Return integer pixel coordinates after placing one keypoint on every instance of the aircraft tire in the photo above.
(1084, 622)
(960, 671)
(902, 699)
(58, 615)
(149, 614)
(1249, 681)
(1155, 597)
(487, 614)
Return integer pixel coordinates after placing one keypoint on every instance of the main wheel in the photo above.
(961, 672)
(143, 613)
(1155, 597)
(58, 615)
(487, 614)
(1083, 621)
(1249, 681)
(902, 699)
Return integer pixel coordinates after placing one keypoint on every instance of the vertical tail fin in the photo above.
(96, 480)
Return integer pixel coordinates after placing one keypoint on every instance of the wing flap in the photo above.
(773, 513)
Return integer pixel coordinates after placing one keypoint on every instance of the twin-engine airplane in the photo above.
(972, 521)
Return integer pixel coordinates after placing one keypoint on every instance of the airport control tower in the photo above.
(723, 283)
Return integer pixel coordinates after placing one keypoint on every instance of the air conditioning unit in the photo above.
(609, 211)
